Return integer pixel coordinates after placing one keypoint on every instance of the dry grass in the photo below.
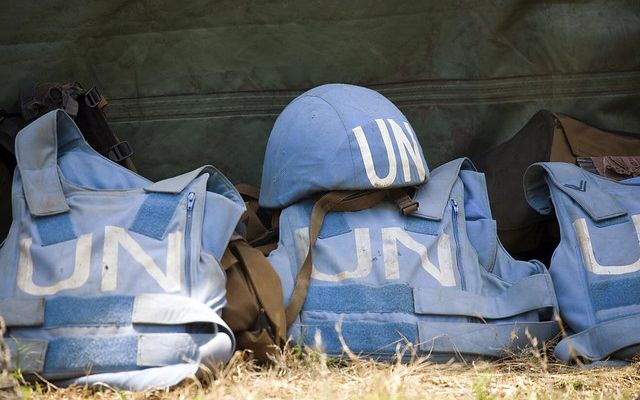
(297, 375)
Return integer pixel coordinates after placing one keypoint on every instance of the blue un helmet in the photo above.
(339, 137)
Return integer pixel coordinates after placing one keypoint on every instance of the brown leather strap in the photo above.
(332, 201)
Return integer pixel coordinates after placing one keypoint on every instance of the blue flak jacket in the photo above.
(437, 280)
(596, 266)
(106, 276)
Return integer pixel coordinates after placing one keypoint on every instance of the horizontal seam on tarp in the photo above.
(406, 94)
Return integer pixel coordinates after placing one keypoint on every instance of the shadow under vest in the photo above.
(437, 280)
(596, 266)
(108, 277)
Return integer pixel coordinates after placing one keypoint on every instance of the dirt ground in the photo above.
(308, 375)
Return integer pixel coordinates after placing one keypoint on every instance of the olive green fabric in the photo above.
(193, 82)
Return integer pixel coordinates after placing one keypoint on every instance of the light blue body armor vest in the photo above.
(107, 277)
(437, 280)
(596, 267)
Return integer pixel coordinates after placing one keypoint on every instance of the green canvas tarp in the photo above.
(195, 82)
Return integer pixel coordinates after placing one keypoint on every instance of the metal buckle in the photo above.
(120, 151)
(92, 97)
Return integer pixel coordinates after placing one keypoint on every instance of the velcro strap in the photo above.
(54, 229)
(360, 299)
(379, 337)
(492, 340)
(369, 338)
(155, 214)
(531, 293)
(601, 340)
(582, 187)
(69, 356)
(433, 196)
(157, 309)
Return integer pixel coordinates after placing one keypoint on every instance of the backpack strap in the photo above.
(331, 201)
(581, 186)
(600, 341)
(85, 106)
(93, 124)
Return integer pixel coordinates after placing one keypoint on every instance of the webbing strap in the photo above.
(531, 293)
(120, 310)
(381, 337)
(601, 340)
(367, 338)
(483, 339)
(337, 201)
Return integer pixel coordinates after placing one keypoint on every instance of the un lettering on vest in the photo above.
(392, 236)
(408, 148)
(588, 255)
(114, 239)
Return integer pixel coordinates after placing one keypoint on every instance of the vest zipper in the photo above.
(191, 200)
(456, 239)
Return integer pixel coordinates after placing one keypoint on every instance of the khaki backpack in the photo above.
(255, 310)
